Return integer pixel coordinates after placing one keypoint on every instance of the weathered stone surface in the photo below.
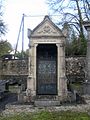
(46, 103)
(13, 109)
(75, 68)
(14, 67)
(86, 88)
(87, 26)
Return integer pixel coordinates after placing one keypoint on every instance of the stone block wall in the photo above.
(14, 67)
(14, 70)
(75, 68)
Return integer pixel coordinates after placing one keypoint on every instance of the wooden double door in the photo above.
(46, 69)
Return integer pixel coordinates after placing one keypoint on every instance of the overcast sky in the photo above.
(13, 11)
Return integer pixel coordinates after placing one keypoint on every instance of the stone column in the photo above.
(29, 70)
(87, 26)
(87, 82)
(62, 83)
(35, 51)
(31, 80)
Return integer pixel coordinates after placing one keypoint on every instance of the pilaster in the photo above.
(62, 84)
(87, 26)
(88, 55)
(35, 55)
(31, 80)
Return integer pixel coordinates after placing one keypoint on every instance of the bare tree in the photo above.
(73, 12)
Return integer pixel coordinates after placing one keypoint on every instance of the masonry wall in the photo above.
(18, 69)
(76, 68)
(14, 70)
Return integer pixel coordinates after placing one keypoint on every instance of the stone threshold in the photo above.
(46, 103)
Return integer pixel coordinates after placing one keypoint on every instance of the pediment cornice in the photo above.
(46, 28)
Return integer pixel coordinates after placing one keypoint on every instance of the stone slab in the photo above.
(45, 103)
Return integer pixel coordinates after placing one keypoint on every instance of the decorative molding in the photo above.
(60, 44)
(35, 45)
(47, 30)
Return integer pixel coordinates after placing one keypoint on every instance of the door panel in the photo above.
(46, 70)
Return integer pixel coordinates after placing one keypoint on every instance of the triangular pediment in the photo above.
(47, 28)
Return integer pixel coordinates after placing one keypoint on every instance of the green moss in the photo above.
(76, 86)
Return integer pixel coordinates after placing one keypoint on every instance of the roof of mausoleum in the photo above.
(47, 28)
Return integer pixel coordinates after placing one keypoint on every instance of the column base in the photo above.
(30, 95)
(62, 90)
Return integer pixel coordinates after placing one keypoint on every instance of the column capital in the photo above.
(59, 44)
(35, 44)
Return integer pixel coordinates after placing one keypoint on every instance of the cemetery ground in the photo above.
(41, 114)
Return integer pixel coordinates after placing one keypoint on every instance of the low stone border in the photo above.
(17, 109)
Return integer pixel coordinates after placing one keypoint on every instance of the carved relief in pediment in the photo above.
(46, 30)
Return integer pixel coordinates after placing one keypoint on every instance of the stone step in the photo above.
(46, 103)
(46, 97)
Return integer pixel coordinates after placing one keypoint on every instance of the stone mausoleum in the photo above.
(46, 72)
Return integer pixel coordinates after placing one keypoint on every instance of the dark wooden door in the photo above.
(46, 70)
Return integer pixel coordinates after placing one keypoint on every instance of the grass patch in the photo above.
(45, 115)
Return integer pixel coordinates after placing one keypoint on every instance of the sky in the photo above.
(13, 11)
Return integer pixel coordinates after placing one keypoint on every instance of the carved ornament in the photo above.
(47, 29)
